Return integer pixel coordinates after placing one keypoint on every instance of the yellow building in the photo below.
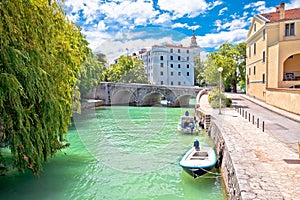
(273, 58)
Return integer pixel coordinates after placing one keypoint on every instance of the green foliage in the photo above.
(232, 58)
(127, 70)
(228, 102)
(90, 74)
(41, 53)
(199, 77)
(214, 99)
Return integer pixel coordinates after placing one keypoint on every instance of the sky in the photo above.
(116, 27)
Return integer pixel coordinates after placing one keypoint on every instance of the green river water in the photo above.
(117, 153)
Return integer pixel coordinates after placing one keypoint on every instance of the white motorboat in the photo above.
(188, 125)
(198, 161)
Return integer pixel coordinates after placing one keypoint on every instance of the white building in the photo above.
(170, 64)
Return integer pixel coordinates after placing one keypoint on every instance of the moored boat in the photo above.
(198, 160)
(188, 124)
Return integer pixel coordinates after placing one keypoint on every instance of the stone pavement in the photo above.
(262, 162)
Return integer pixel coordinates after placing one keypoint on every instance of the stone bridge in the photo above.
(143, 94)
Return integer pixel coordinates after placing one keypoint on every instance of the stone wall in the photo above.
(227, 167)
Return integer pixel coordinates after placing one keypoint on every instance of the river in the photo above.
(117, 153)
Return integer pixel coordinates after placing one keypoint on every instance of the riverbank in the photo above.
(254, 162)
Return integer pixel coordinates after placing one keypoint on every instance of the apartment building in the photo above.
(273, 58)
(170, 64)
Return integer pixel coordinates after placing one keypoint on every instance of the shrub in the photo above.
(213, 99)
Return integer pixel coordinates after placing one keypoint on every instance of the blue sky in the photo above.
(112, 26)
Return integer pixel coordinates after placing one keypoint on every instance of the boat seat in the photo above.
(199, 157)
(202, 154)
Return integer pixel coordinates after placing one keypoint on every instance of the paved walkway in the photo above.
(263, 161)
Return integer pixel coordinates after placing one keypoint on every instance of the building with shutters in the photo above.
(273, 58)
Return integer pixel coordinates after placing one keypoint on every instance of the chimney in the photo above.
(282, 10)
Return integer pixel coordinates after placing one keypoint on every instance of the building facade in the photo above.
(273, 58)
(170, 64)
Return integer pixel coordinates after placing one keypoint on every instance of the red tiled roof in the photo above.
(289, 14)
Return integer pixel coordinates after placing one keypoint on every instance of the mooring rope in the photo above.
(209, 172)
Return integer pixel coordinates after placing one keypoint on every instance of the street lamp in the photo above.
(220, 69)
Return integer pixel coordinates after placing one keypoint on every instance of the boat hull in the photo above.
(198, 162)
(197, 172)
(187, 130)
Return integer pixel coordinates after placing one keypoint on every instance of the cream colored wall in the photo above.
(257, 90)
(273, 66)
(272, 33)
(278, 48)
(286, 99)
(287, 48)
(256, 87)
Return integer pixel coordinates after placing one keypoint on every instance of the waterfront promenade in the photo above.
(265, 162)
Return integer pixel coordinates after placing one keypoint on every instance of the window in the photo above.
(171, 50)
(249, 71)
(179, 73)
(161, 57)
(263, 78)
(187, 58)
(187, 66)
(161, 82)
(161, 73)
(187, 51)
(161, 64)
(178, 57)
(171, 82)
(178, 66)
(254, 48)
(172, 73)
(264, 56)
(188, 74)
(171, 57)
(290, 29)
(178, 50)
(264, 34)
(254, 70)
(179, 83)
(254, 27)
(171, 65)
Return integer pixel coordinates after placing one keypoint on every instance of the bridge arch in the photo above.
(143, 94)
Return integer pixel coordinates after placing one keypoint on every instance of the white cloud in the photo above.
(113, 49)
(235, 24)
(101, 26)
(259, 7)
(293, 4)
(185, 25)
(214, 40)
(223, 10)
(191, 8)
(140, 12)
(163, 19)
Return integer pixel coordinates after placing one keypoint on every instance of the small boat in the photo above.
(188, 125)
(198, 160)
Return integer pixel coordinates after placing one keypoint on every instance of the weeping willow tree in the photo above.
(41, 53)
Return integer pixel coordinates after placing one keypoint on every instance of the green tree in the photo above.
(232, 58)
(90, 74)
(127, 70)
(199, 76)
(41, 54)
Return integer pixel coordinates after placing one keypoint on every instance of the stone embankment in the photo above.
(253, 164)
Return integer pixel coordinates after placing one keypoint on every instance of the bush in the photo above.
(228, 102)
(213, 99)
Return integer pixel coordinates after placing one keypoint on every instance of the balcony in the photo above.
(291, 76)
